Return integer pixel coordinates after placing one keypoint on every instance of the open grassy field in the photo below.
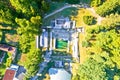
(55, 5)
(85, 1)
(66, 13)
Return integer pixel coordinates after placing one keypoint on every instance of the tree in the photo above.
(86, 44)
(9, 61)
(92, 70)
(45, 6)
(32, 62)
(76, 77)
(28, 30)
(111, 21)
(89, 20)
(6, 16)
(95, 3)
(112, 7)
(26, 7)
(29, 26)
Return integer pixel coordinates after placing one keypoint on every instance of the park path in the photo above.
(59, 10)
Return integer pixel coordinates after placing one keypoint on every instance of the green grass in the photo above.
(85, 1)
(61, 44)
(55, 5)
(66, 13)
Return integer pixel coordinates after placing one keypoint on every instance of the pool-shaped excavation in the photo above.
(61, 44)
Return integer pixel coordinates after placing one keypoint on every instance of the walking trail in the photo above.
(59, 10)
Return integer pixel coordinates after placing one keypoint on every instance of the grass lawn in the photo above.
(66, 13)
(83, 54)
(79, 17)
(55, 5)
(61, 44)
(85, 1)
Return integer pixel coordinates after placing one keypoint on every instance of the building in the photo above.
(9, 49)
(9, 74)
(62, 22)
(63, 35)
(44, 39)
(59, 74)
(14, 73)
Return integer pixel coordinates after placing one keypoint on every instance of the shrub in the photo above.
(86, 44)
(89, 20)
(108, 7)
(9, 61)
(95, 3)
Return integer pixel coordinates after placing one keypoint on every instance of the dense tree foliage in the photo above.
(95, 3)
(25, 17)
(111, 21)
(105, 48)
(92, 70)
(88, 19)
(28, 30)
(32, 62)
(6, 14)
(26, 7)
(108, 7)
(102, 43)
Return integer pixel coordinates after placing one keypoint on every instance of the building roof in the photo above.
(7, 48)
(59, 74)
(9, 74)
(14, 67)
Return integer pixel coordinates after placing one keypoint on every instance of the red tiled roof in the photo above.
(9, 74)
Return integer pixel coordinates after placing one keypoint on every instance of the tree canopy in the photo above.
(25, 17)
(108, 7)
(32, 62)
(92, 70)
